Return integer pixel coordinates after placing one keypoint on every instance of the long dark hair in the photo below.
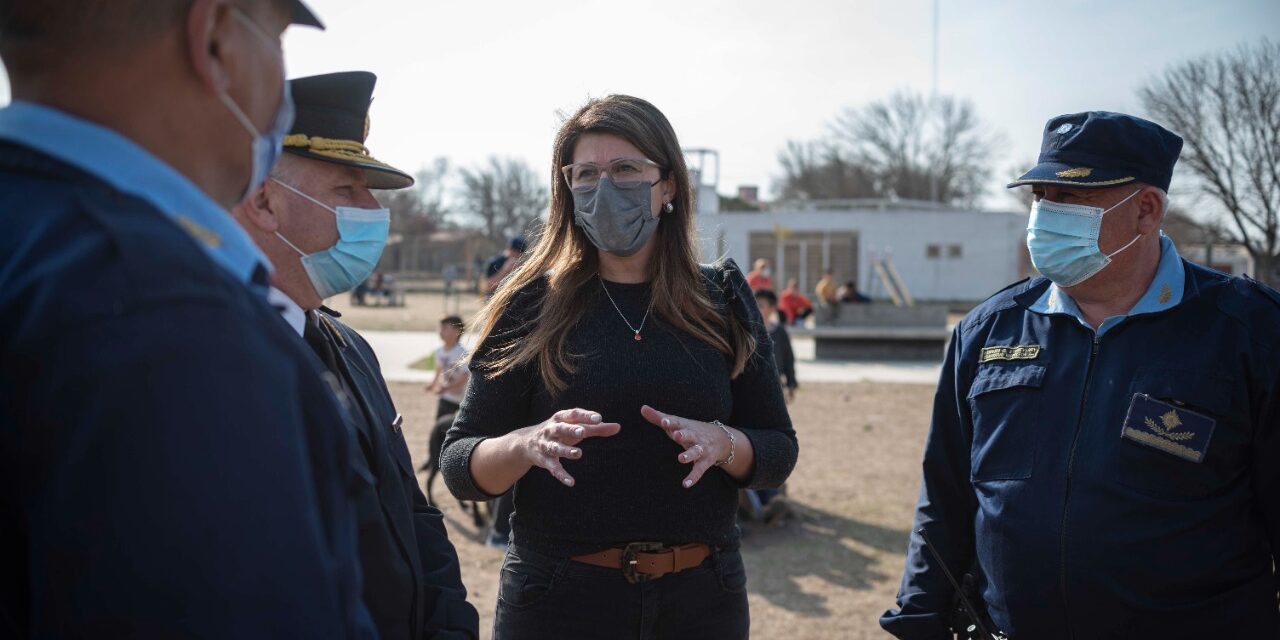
(569, 260)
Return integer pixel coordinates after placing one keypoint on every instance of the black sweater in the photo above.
(628, 486)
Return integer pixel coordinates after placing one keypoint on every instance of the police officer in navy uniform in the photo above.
(323, 229)
(1104, 457)
(153, 487)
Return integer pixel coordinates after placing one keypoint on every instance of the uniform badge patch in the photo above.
(1011, 352)
(1172, 429)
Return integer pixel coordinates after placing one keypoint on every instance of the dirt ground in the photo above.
(827, 574)
(421, 312)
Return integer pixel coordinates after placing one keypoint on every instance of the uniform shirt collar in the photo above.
(289, 310)
(129, 168)
(1165, 292)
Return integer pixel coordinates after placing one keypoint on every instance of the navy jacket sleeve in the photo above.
(945, 510)
(1266, 439)
(759, 410)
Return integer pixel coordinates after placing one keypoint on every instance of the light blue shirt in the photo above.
(129, 168)
(1164, 293)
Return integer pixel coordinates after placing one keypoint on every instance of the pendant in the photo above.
(638, 336)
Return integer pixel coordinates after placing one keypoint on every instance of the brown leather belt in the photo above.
(644, 561)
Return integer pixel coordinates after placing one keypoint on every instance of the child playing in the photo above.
(451, 375)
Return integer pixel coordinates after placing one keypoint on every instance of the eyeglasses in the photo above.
(624, 171)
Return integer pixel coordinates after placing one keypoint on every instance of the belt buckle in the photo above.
(629, 560)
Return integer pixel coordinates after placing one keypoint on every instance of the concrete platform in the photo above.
(396, 350)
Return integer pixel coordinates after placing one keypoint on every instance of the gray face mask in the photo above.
(616, 217)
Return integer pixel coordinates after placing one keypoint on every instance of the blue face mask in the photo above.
(362, 234)
(267, 145)
(1063, 241)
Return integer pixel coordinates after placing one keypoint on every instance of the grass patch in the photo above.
(425, 364)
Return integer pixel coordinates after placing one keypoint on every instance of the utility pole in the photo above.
(933, 99)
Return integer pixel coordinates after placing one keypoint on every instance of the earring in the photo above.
(668, 207)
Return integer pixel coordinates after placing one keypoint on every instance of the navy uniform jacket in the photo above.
(173, 462)
(1077, 530)
(412, 581)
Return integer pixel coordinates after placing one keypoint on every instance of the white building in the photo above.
(941, 253)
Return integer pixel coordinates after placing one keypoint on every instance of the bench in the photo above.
(880, 332)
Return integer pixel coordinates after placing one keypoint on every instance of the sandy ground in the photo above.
(827, 574)
(421, 312)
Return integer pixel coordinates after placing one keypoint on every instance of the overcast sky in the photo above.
(467, 80)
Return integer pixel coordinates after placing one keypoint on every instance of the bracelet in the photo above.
(733, 444)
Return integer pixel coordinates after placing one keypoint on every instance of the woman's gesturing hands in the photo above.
(705, 444)
(544, 444)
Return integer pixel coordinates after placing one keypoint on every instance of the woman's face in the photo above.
(603, 148)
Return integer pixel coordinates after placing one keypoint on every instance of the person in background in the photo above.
(504, 505)
(760, 276)
(795, 306)
(782, 352)
(849, 294)
(625, 465)
(152, 487)
(502, 264)
(501, 507)
(826, 290)
(450, 381)
(319, 223)
(1104, 454)
(770, 506)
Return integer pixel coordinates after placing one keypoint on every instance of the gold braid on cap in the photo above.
(328, 147)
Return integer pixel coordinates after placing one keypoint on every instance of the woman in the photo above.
(627, 394)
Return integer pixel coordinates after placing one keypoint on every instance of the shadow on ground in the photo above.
(815, 544)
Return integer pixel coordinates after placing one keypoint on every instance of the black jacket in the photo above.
(412, 581)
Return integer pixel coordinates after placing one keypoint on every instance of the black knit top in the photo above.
(628, 486)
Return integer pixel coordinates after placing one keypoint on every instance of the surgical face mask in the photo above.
(617, 218)
(1063, 240)
(267, 145)
(362, 234)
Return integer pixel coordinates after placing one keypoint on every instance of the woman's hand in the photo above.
(704, 443)
(543, 445)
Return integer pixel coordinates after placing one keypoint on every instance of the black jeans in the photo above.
(540, 596)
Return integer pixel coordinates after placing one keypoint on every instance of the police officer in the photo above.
(151, 488)
(1104, 458)
(321, 226)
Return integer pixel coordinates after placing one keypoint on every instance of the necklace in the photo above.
(635, 330)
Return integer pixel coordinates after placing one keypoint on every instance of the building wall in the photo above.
(939, 254)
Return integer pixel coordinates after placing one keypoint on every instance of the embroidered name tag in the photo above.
(1018, 352)
(1169, 428)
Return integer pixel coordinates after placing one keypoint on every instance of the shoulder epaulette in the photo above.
(1267, 292)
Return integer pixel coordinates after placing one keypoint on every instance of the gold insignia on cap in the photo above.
(1079, 172)
(1166, 294)
(194, 229)
(366, 128)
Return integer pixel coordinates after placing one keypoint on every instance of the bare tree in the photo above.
(813, 171)
(1226, 107)
(419, 209)
(505, 197)
(919, 148)
(906, 146)
(1022, 195)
